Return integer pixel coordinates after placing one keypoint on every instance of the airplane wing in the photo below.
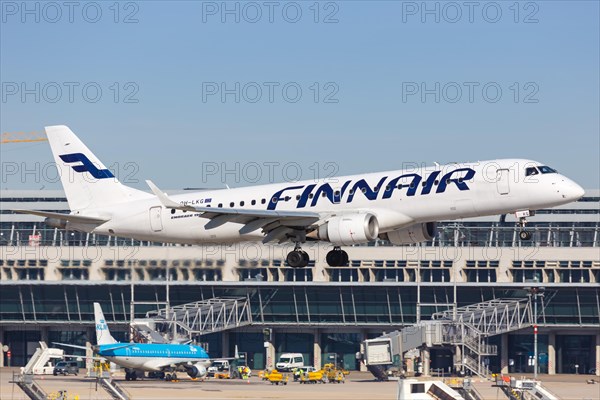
(67, 217)
(277, 225)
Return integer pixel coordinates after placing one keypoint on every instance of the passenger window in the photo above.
(242, 204)
(253, 202)
(531, 171)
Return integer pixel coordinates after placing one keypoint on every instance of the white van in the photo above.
(289, 361)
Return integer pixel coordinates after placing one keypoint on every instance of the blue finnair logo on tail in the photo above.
(86, 165)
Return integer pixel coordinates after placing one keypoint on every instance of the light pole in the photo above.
(535, 336)
(535, 292)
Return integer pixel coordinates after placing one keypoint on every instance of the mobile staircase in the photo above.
(465, 327)
(41, 361)
(29, 386)
(525, 389)
(115, 390)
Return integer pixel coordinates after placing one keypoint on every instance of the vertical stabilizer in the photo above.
(86, 181)
(102, 333)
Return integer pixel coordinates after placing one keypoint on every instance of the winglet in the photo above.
(165, 200)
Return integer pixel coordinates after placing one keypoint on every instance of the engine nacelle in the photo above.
(196, 371)
(413, 234)
(346, 230)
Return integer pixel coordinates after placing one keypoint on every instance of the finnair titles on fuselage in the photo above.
(400, 206)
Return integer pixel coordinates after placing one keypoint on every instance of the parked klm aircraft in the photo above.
(162, 359)
(400, 206)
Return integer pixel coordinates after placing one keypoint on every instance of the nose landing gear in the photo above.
(522, 216)
(525, 235)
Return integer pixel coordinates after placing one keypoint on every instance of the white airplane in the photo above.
(163, 359)
(399, 206)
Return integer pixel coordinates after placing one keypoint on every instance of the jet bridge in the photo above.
(467, 327)
(200, 318)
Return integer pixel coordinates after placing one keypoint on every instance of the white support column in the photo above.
(361, 366)
(271, 356)
(317, 349)
(551, 353)
(425, 357)
(597, 355)
(504, 353)
(457, 356)
(1, 345)
(89, 353)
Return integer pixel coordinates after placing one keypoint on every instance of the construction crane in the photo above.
(23, 137)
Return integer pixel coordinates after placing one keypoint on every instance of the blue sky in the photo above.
(361, 69)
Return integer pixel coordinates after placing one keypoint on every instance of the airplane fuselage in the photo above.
(153, 356)
(398, 199)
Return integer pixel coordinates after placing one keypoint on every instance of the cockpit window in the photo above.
(547, 170)
(531, 171)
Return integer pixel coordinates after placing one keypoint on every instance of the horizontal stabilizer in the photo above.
(81, 219)
(70, 345)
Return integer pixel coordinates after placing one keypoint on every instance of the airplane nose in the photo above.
(572, 191)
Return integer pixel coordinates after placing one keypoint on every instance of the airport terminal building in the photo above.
(49, 279)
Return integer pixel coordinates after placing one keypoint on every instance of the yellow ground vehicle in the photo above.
(333, 374)
(222, 375)
(264, 375)
(312, 377)
(276, 377)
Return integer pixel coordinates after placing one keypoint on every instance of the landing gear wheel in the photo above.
(297, 258)
(345, 258)
(127, 376)
(168, 377)
(525, 235)
(174, 376)
(305, 257)
(337, 258)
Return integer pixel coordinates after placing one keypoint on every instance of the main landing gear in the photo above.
(522, 216)
(337, 257)
(170, 377)
(130, 375)
(297, 258)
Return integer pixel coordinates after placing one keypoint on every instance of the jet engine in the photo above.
(196, 371)
(412, 234)
(349, 229)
